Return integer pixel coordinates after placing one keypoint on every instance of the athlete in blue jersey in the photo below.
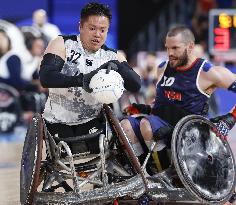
(184, 87)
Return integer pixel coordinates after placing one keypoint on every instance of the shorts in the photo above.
(66, 131)
(155, 122)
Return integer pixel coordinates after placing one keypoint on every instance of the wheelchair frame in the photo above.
(108, 176)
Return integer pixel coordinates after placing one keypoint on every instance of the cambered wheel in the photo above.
(204, 163)
(31, 161)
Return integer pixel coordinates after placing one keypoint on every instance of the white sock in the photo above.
(149, 143)
(160, 145)
(138, 149)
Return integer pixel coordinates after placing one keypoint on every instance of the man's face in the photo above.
(177, 51)
(93, 32)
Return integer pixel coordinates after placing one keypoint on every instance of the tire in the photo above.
(204, 163)
(31, 161)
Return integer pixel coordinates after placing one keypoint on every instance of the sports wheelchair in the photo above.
(52, 174)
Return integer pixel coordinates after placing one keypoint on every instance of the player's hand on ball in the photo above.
(107, 87)
(111, 66)
(86, 80)
(108, 66)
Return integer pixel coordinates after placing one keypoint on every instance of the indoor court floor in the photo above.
(10, 156)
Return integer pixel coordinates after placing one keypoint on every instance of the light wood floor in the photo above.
(10, 155)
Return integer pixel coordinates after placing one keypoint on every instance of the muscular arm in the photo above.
(52, 64)
(57, 47)
(216, 77)
(132, 81)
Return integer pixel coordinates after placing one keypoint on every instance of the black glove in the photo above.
(224, 124)
(110, 65)
(142, 108)
(86, 80)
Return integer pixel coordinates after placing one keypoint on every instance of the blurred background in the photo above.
(138, 29)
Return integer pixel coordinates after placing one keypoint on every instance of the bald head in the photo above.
(40, 17)
(186, 34)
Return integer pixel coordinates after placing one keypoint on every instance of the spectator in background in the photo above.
(16, 38)
(200, 52)
(40, 21)
(36, 48)
(34, 98)
(204, 6)
(11, 73)
(151, 65)
(35, 45)
(200, 21)
(11, 69)
(17, 41)
(200, 29)
(10, 64)
(149, 76)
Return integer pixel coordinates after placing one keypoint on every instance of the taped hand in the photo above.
(223, 124)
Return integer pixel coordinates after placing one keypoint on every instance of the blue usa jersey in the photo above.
(180, 88)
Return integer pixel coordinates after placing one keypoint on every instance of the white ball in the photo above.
(107, 87)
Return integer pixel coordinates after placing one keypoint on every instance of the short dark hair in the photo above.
(187, 34)
(94, 8)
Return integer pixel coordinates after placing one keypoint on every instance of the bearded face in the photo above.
(179, 61)
(178, 51)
